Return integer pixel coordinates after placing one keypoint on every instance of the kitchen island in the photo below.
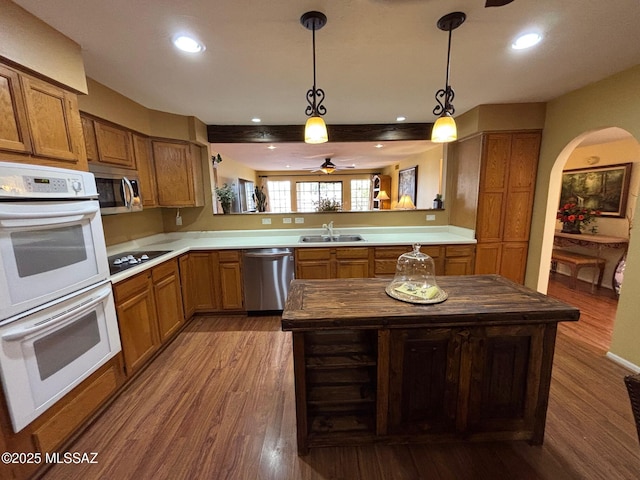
(369, 368)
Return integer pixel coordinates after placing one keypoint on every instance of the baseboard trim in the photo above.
(621, 361)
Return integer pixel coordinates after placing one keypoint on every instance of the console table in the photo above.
(590, 241)
(371, 369)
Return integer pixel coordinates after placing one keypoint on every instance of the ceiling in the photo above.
(376, 59)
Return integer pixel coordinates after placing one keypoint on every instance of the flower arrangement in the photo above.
(575, 217)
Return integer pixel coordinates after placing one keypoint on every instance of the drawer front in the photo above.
(390, 252)
(352, 252)
(460, 250)
(229, 255)
(313, 253)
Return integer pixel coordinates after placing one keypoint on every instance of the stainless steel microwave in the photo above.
(118, 194)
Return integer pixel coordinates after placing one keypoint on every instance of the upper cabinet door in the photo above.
(54, 120)
(115, 146)
(178, 174)
(14, 131)
(146, 173)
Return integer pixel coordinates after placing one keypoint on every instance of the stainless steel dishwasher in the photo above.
(267, 273)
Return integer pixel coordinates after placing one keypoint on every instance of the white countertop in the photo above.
(181, 242)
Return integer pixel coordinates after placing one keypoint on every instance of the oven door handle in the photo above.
(88, 210)
(59, 320)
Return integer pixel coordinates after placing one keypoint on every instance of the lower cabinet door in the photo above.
(505, 377)
(137, 320)
(423, 381)
(168, 297)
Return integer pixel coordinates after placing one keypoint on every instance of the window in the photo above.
(279, 195)
(246, 196)
(360, 194)
(309, 194)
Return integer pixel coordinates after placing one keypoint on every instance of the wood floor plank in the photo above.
(218, 403)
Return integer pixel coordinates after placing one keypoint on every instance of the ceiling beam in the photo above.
(377, 132)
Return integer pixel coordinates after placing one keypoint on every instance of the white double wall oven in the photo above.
(57, 316)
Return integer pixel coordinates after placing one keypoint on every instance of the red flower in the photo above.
(580, 217)
(571, 218)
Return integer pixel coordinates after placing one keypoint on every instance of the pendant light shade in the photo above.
(444, 130)
(315, 130)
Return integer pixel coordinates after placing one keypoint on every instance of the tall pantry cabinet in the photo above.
(508, 164)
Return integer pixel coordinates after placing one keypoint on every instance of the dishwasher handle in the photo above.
(267, 255)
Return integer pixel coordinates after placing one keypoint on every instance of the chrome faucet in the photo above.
(329, 228)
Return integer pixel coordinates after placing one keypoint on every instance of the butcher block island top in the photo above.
(372, 369)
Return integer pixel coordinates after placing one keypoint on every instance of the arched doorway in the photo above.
(597, 148)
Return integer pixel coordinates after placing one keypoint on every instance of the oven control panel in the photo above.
(34, 181)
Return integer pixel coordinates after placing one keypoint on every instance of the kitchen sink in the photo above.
(327, 238)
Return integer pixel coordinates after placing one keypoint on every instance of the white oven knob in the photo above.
(117, 261)
(76, 185)
(144, 257)
(133, 261)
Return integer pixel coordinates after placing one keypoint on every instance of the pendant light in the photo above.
(444, 130)
(315, 130)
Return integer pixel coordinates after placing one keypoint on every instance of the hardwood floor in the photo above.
(218, 403)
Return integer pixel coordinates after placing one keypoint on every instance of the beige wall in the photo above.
(31, 43)
(514, 116)
(612, 102)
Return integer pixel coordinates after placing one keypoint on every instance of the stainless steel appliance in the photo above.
(118, 193)
(57, 317)
(267, 273)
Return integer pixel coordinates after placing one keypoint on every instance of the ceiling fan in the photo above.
(329, 167)
(497, 3)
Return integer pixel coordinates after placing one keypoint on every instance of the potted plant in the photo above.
(328, 205)
(225, 196)
(260, 198)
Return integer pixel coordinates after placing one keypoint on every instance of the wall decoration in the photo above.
(604, 189)
(408, 183)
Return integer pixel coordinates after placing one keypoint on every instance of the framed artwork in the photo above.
(598, 188)
(408, 183)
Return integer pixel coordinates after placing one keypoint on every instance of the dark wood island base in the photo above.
(372, 369)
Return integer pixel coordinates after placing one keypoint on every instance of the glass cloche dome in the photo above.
(415, 279)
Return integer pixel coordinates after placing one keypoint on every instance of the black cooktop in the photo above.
(124, 260)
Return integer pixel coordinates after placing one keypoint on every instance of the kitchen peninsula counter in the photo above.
(369, 368)
(177, 243)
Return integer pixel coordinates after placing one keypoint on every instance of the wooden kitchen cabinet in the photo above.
(214, 280)
(108, 145)
(150, 311)
(332, 262)
(465, 380)
(386, 258)
(39, 122)
(146, 171)
(137, 320)
(115, 145)
(508, 168)
(178, 171)
(168, 298)
(459, 259)
(14, 128)
(229, 280)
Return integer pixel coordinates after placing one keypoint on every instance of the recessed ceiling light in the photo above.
(271, 147)
(527, 40)
(379, 145)
(188, 44)
(256, 120)
(288, 166)
(400, 119)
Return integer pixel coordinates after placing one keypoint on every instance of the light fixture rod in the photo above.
(315, 96)
(445, 95)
